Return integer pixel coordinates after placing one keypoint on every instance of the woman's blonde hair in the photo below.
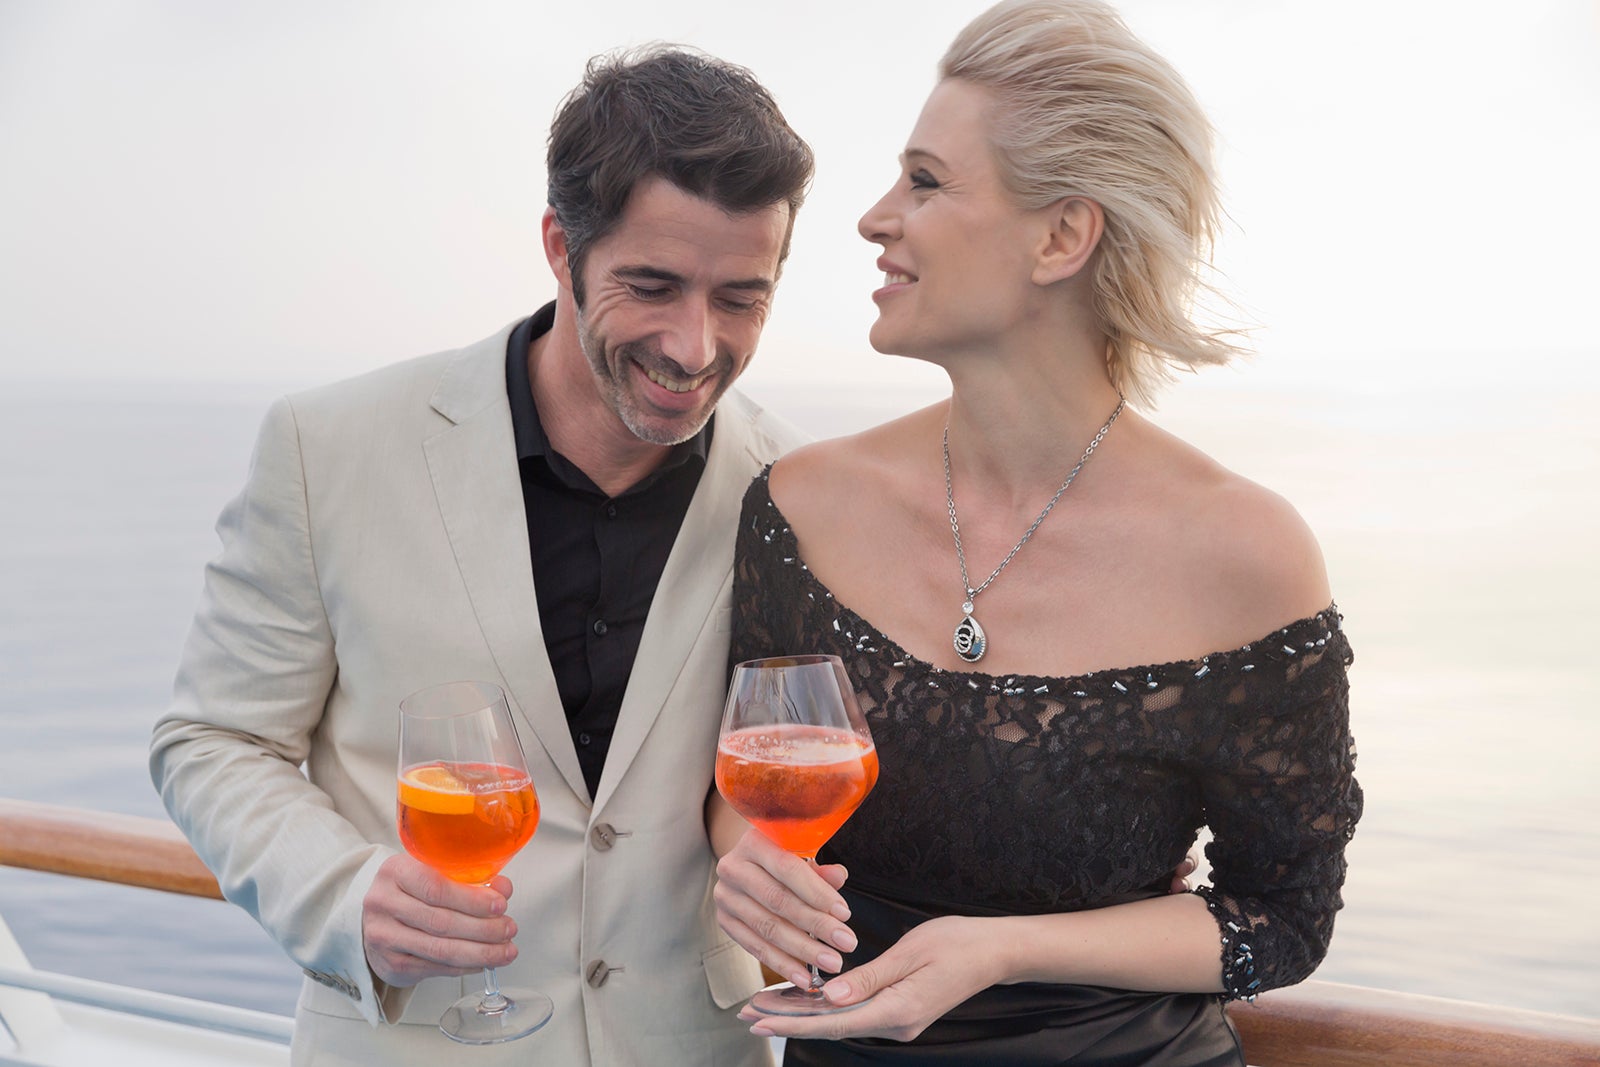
(1084, 108)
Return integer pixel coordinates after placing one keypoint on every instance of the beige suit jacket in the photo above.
(380, 546)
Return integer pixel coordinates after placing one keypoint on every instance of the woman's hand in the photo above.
(785, 912)
(934, 967)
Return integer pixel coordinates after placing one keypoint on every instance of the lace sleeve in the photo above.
(1281, 800)
(760, 627)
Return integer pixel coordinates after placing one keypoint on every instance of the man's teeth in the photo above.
(896, 279)
(672, 384)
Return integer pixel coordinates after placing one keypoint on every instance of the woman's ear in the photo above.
(554, 238)
(1076, 225)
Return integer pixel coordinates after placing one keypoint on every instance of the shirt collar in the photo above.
(529, 431)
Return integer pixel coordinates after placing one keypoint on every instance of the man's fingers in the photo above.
(424, 883)
(458, 954)
(1180, 874)
(447, 924)
(402, 955)
(417, 924)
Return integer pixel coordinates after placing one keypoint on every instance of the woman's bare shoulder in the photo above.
(830, 476)
(1255, 562)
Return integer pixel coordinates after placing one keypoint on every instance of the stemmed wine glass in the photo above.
(466, 805)
(796, 759)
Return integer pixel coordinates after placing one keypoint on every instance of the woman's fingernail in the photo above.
(844, 939)
(829, 960)
(840, 911)
(836, 991)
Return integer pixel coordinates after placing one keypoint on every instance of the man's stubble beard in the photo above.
(609, 381)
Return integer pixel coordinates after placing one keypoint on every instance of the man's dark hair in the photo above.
(704, 125)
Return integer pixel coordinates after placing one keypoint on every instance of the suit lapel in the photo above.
(691, 587)
(473, 464)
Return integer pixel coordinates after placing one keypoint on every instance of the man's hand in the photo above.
(1180, 876)
(416, 924)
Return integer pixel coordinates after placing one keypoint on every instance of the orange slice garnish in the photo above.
(435, 788)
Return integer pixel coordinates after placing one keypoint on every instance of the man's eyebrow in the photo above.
(657, 274)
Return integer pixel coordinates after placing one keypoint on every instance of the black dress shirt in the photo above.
(596, 559)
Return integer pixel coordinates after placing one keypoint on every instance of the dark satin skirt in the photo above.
(1032, 1025)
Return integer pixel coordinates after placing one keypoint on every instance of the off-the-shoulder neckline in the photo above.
(1272, 645)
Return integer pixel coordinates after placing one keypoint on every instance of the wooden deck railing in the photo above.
(1315, 1024)
(127, 849)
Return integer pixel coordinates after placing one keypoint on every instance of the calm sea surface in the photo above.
(1459, 531)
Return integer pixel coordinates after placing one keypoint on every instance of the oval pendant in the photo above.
(970, 642)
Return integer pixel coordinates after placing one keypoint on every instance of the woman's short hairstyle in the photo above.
(1084, 108)
(705, 125)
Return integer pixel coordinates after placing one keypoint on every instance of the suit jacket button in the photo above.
(603, 836)
(597, 973)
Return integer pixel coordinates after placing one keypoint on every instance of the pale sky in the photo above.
(298, 191)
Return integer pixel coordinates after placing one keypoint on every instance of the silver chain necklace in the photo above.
(970, 640)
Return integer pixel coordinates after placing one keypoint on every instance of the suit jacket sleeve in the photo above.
(252, 684)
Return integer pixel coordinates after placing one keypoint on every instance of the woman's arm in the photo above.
(1167, 944)
(724, 826)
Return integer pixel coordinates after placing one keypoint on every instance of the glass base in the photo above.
(468, 1022)
(792, 1000)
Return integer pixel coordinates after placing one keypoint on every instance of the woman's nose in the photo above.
(881, 223)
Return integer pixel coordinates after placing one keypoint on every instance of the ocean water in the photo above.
(1459, 530)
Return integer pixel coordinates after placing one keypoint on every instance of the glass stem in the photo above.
(493, 1001)
(816, 975)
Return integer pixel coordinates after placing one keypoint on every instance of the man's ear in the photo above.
(554, 238)
(1075, 226)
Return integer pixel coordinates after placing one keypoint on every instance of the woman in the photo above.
(990, 567)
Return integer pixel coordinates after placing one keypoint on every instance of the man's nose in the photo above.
(689, 337)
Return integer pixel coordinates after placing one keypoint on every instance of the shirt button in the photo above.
(611, 511)
(584, 739)
(600, 627)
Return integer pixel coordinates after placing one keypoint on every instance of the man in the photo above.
(551, 510)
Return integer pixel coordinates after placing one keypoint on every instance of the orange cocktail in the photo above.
(796, 783)
(466, 820)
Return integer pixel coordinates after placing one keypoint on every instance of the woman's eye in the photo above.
(921, 179)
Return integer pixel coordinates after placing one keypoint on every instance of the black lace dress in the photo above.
(1006, 795)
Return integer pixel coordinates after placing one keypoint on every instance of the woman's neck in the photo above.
(1021, 416)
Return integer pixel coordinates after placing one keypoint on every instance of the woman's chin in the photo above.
(887, 341)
